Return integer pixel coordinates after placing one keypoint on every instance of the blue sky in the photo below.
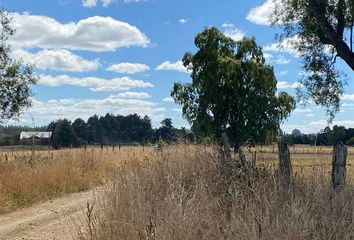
(123, 56)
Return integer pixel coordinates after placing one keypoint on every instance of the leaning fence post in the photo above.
(285, 164)
(339, 161)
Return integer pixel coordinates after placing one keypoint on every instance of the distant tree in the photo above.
(166, 132)
(337, 134)
(51, 126)
(16, 78)
(80, 128)
(232, 88)
(64, 135)
(322, 30)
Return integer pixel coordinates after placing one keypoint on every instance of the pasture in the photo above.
(178, 192)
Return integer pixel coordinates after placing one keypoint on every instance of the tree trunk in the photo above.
(339, 161)
(285, 164)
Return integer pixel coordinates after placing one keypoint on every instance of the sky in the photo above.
(123, 56)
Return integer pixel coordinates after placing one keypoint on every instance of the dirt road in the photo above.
(55, 219)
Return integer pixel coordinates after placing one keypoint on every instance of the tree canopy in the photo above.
(321, 31)
(15, 77)
(232, 88)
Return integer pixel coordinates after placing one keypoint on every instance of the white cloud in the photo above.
(183, 21)
(286, 85)
(170, 66)
(94, 83)
(44, 112)
(323, 123)
(233, 32)
(168, 99)
(310, 115)
(89, 3)
(136, 95)
(128, 68)
(93, 34)
(302, 110)
(349, 97)
(106, 3)
(283, 73)
(61, 60)
(281, 60)
(93, 3)
(287, 46)
(261, 14)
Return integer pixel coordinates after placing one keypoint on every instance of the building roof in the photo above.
(35, 134)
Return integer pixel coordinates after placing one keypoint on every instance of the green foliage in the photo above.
(321, 31)
(64, 135)
(350, 142)
(232, 88)
(166, 132)
(15, 77)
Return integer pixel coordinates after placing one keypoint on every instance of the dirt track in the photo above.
(54, 219)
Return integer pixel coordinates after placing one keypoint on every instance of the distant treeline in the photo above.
(326, 137)
(134, 129)
(105, 130)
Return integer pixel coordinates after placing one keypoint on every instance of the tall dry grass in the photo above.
(27, 177)
(183, 193)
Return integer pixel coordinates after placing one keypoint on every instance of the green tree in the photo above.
(322, 30)
(166, 132)
(80, 128)
(64, 135)
(15, 77)
(232, 88)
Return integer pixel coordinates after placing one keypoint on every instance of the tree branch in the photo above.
(334, 38)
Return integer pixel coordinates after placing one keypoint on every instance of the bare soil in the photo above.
(53, 219)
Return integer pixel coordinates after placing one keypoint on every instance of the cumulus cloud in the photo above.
(92, 34)
(60, 60)
(136, 95)
(93, 3)
(170, 66)
(279, 59)
(286, 85)
(233, 32)
(349, 97)
(89, 3)
(260, 14)
(128, 68)
(168, 99)
(46, 111)
(94, 83)
(302, 110)
(287, 46)
(324, 123)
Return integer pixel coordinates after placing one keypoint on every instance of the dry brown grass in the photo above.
(180, 193)
(27, 177)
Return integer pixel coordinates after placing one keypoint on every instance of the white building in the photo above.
(24, 135)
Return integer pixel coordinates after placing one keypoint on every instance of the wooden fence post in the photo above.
(339, 161)
(285, 164)
(226, 146)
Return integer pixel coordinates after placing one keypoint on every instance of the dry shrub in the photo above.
(183, 193)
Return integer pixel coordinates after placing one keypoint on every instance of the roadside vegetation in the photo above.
(182, 193)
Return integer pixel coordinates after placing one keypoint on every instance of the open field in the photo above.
(176, 192)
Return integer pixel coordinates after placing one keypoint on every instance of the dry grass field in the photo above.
(28, 176)
(180, 192)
